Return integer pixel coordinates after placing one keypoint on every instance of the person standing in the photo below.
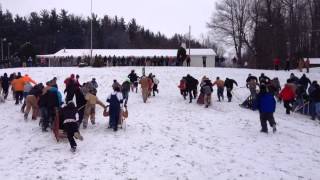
(125, 89)
(276, 63)
(300, 64)
(115, 100)
(287, 64)
(266, 105)
(134, 81)
(5, 85)
(70, 87)
(228, 83)
(182, 54)
(307, 64)
(18, 87)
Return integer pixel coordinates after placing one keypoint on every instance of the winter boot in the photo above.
(274, 128)
(25, 116)
(73, 149)
(77, 135)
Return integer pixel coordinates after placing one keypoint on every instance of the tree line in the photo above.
(261, 30)
(49, 31)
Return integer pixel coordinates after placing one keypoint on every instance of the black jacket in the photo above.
(315, 95)
(228, 83)
(5, 82)
(304, 81)
(133, 77)
(192, 83)
(68, 112)
(252, 78)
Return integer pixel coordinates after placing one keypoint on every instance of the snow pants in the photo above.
(264, 117)
(114, 118)
(229, 94)
(288, 106)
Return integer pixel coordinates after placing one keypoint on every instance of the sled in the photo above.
(122, 123)
(249, 103)
(58, 133)
(200, 99)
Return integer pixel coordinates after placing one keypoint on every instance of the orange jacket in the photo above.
(18, 84)
(26, 78)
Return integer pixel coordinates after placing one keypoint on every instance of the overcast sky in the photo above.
(166, 16)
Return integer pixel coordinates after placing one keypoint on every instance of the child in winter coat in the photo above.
(155, 85)
(125, 89)
(70, 125)
(183, 87)
(287, 95)
(115, 100)
(90, 108)
(266, 105)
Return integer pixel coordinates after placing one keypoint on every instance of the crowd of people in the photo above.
(46, 101)
(298, 95)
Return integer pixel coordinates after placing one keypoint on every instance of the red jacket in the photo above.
(276, 61)
(182, 85)
(287, 93)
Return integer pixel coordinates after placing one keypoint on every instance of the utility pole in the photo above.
(91, 34)
(189, 39)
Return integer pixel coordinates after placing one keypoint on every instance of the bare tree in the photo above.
(231, 21)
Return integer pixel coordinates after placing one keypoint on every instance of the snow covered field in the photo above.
(167, 138)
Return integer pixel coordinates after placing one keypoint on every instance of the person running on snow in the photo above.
(263, 79)
(70, 87)
(18, 87)
(183, 87)
(26, 79)
(81, 102)
(115, 100)
(206, 89)
(304, 81)
(5, 85)
(27, 88)
(144, 81)
(70, 125)
(90, 108)
(287, 95)
(220, 87)
(266, 105)
(32, 101)
(155, 85)
(125, 89)
(192, 86)
(228, 83)
(134, 81)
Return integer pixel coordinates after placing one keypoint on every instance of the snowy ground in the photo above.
(167, 138)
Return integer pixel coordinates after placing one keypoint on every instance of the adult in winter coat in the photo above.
(304, 81)
(26, 79)
(307, 64)
(228, 83)
(70, 125)
(192, 86)
(27, 88)
(134, 81)
(182, 54)
(18, 87)
(300, 64)
(49, 105)
(5, 85)
(144, 81)
(287, 95)
(125, 89)
(220, 87)
(90, 108)
(32, 101)
(266, 105)
(155, 85)
(115, 100)
(293, 79)
(263, 79)
(276, 63)
(70, 87)
(315, 100)
(81, 103)
(206, 88)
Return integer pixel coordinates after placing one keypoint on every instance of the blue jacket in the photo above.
(265, 103)
(55, 90)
